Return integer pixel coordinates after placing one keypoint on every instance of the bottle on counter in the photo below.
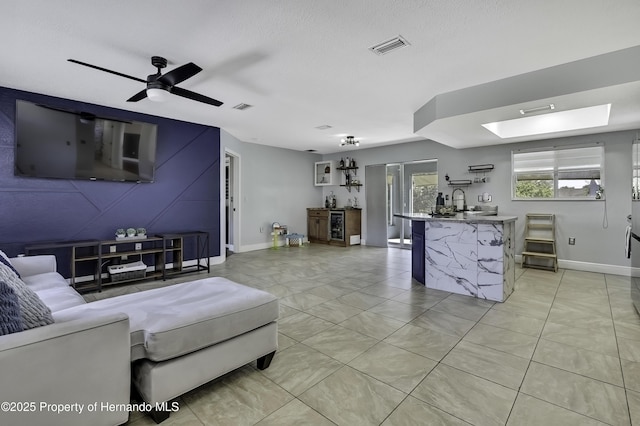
(327, 203)
(439, 201)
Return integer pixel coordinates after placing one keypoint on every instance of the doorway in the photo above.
(232, 202)
(411, 187)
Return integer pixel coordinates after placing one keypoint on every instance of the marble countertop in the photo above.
(458, 217)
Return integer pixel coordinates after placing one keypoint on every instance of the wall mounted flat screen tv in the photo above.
(57, 143)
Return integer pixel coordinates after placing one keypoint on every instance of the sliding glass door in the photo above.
(412, 187)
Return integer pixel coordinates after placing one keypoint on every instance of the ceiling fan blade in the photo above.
(195, 96)
(138, 96)
(180, 74)
(106, 70)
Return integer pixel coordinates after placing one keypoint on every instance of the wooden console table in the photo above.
(164, 253)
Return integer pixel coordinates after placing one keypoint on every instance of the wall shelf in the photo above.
(481, 168)
(323, 173)
(460, 182)
(350, 172)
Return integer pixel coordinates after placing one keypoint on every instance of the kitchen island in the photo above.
(465, 254)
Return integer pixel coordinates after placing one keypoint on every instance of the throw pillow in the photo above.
(5, 259)
(10, 318)
(32, 309)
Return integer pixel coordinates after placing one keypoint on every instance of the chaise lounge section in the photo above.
(179, 337)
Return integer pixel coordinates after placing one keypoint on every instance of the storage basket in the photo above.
(295, 240)
(135, 270)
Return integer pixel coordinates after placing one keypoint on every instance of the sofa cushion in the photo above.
(59, 298)
(10, 319)
(5, 260)
(172, 321)
(33, 311)
(45, 281)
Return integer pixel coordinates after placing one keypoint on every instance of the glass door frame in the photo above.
(405, 202)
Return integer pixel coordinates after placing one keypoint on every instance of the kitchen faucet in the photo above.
(464, 199)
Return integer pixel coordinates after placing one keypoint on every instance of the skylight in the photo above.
(561, 121)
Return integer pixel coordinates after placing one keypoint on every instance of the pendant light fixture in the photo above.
(349, 140)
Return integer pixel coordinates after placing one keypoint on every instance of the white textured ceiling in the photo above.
(303, 63)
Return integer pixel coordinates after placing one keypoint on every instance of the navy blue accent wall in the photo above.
(184, 197)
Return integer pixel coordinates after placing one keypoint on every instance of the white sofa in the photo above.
(81, 361)
(177, 337)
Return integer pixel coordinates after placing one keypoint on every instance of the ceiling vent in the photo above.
(389, 45)
(323, 127)
(242, 107)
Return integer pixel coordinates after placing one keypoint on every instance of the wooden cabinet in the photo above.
(340, 227)
(318, 225)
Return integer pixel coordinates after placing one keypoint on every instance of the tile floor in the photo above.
(361, 343)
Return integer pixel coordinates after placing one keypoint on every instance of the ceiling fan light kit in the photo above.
(159, 85)
(157, 95)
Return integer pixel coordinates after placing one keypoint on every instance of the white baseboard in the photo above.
(262, 246)
(600, 268)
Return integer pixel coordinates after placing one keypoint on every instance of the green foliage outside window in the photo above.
(534, 189)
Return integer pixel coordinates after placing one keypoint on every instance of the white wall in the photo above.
(276, 185)
(595, 243)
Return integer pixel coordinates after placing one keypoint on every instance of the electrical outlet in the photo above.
(124, 257)
(572, 241)
(138, 246)
(112, 249)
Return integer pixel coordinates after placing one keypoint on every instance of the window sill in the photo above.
(561, 199)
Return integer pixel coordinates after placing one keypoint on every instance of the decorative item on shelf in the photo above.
(342, 162)
(131, 234)
(352, 163)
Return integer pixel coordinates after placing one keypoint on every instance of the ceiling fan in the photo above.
(159, 85)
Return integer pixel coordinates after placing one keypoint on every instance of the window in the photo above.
(558, 173)
(424, 190)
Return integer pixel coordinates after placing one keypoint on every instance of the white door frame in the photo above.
(235, 204)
